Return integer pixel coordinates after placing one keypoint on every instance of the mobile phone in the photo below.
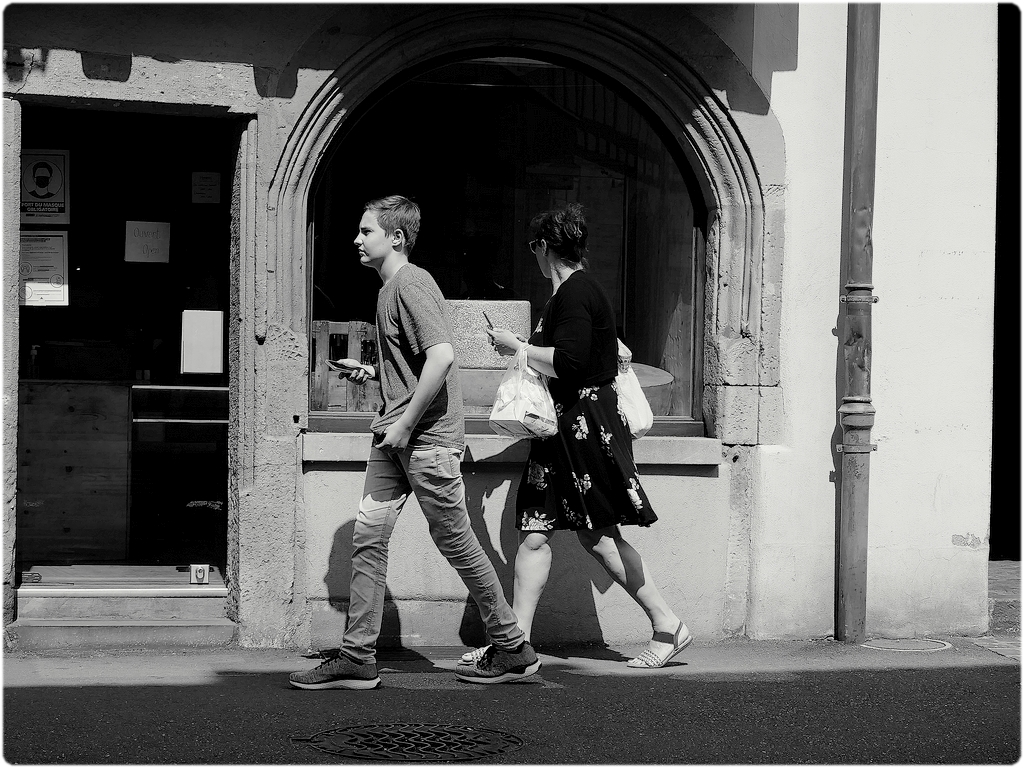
(489, 323)
(341, 365)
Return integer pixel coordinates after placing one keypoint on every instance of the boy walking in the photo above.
(418, 439)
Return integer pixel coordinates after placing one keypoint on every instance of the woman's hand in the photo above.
(506, 342)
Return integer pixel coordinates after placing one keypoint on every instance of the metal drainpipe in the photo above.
(857, 414)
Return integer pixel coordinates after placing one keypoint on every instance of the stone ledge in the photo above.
(57, 634)
(354, 446)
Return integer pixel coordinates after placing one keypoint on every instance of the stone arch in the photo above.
(657, 75)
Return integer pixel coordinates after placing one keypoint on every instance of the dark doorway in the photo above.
(122, 445)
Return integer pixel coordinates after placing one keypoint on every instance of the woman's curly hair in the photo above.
(565, 232)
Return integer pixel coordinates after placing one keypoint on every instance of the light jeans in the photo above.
(433, 473)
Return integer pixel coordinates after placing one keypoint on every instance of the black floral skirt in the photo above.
(584, 477)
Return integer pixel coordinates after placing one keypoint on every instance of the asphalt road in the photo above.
(723, 703)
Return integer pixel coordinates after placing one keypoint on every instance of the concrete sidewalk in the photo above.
(727, 702)
(729, 657)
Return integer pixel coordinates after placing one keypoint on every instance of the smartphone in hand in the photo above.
(346, 365)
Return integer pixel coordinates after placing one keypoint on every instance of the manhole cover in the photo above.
(414, 742)
(919, 644)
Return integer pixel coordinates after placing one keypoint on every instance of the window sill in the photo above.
(354, 447)
(477, 424)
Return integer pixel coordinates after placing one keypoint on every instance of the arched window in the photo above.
(482, 145)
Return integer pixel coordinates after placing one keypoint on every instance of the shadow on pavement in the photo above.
(565, 715)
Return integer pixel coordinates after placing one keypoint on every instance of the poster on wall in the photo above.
(205, 188)
(44, 186)
(43, 269)
(147, 241)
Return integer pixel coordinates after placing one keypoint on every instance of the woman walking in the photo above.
(582, 479)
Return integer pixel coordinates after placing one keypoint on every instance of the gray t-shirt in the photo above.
(411, 316)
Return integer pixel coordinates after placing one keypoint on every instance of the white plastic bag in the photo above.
(632, 400)
(523, 406)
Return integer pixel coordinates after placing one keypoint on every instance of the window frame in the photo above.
(323, 421)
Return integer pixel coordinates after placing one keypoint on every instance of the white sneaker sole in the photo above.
(351, 685)
(504, 678)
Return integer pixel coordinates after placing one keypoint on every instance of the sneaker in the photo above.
(498, 666)
(339, 672)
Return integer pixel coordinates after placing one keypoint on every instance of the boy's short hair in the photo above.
(395, 212)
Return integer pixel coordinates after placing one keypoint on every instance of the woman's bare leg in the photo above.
(533, 565)
(624, 564)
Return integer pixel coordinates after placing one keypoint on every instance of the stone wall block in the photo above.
(737, 463)
(711, 409)
(770, 415)
(472, 344)
(287, 381)
(736, 415)
(771, 286)
(738, 359)
(730, 247)
(269, 608)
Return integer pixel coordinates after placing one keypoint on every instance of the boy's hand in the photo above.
(353, 370)
(504, 341)
(396, 438)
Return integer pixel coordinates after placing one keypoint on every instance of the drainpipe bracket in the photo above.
(856, 448)
(858, 299)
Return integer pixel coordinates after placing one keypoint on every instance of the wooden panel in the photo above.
(320, 375)
(73, 441)
(329, 391)
(66, 408)
(363, 397)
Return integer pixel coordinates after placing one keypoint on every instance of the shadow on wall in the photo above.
(339, 571)
(99, 66)
(567, 612)
(18, 61)
(762, 38)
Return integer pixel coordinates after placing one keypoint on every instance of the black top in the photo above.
(579, 322)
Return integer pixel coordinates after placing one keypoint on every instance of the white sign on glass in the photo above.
(202, 341)
(43, 269)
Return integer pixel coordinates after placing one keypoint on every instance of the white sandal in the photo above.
(472, 657)
(651, 660)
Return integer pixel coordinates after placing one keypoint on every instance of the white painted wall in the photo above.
(793, 521)
(931, 372)
(932, 369)
(685, 551)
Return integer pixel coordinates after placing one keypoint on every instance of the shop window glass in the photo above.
(482, 145)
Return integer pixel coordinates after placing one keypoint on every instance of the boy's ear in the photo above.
(398, 237)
